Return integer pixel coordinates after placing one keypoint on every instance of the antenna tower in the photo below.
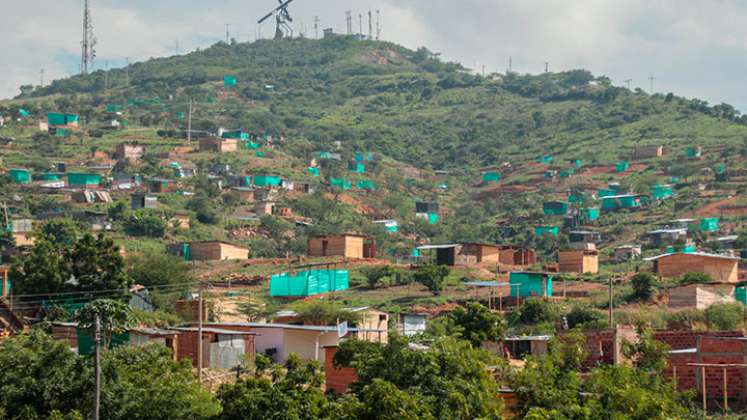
(370, 26)
(41, 72)
(349, 21)
(360, 25)
(316, 27)
(88, 44)
(378, 24)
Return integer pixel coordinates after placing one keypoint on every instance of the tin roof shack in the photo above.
(130, 151)
(518, 347)
(222, 348)
(348, 245)
(145, 336)
(721, 268)
(700, 296)
(579, 261)
(584, 237)
(666, 236)
(218, 145)
(466, 254)
(527, 284)
(627, 252)
(95, 219)
(648, 152)
(160, 185)
(412, 324)
(517, 255)
(143, 201)
(209, 251)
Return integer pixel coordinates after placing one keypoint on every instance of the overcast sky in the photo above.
(694, 48)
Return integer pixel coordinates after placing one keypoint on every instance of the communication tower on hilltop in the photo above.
(88, 44)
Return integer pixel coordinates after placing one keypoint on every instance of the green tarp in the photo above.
(83, 179)
(432, 218)
(542, 230)
(308, 283)
(235, 134)
(693, 152)
(545, 159)
(50, 176)
(530, 284)
(24, 113)
(740, 294)
(357, 167)
(20, 176)
(576, 198)
(85, 341)
(567, 173)
(622, 166)
(341, 183)
(621, 202)
(365, 185)
(491, 177)
(267, 180)
(314, 171)
(57, 118)
(660, 192)
(114, 108)
(229, 81)
(590, 214)
(709, 224)
(555, 208)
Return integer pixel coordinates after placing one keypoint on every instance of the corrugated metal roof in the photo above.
(438, 246)
(697, 254)
(486, 283)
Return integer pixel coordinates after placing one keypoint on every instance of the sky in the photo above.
(693, 48)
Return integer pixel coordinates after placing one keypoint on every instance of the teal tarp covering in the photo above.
(590, 214)
(229, 81)
(740, 293)
(56, 118)
(20, 176)
(660, 192)
(622, 166)
(314, 171)
(530, 284)
(83, 179)
(542, 230)
(544, 159)
(709, 224)
(491, 177)
(555, 208)
(308, 283)
(267, 180)
(24, 113)
(432, 218)
(235, 134)
(365, 185)
(341, 183)
(85, 341)
(357, 167)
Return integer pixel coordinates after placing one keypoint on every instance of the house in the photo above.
(467, 254)
(700, 296)
(390, 225)
(584, 236)
(246, 194)
(518, 347)
(160, 185)
(555, 208)
(218, 145)
(666, 236)
(647, 152)
(428, 211)
(131, 151)
(145, 336)
(140, 298)
(372, 323)
(264, 207)
(627, 252)
(579, 261)
(20, 176)
(624, 201)
(209, 251)
(527, 284)
(55, 119)
(180, 220)
(348, 245)
(721, 268)
(267, 181)
(91, 196)
(223, 348)
(307, 283)
(278, 341)
(143, 201)
(98, 220)
(412, 323)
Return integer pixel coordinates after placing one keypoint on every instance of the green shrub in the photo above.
(696, 277)
(585, 316)
(725, 316)
(643, 286)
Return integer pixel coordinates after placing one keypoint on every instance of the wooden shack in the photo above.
(647, 152)
(579, 261)
(131, 151)
(700, 296)
(348, 245)
(722, 268)
(216, 251)
(466, 254)
(517, 255)
(218, 145)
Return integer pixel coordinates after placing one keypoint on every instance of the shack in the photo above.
(218, 145)
(209, 251)
(701, 296)
(348, 245)
(131, 151)
(83, 180)
(143, 201)
(584, 236)
(627, 252)
(647, 152)
(518, 347)
(308, 283)
(527, 284)
(625, 201)
(666, 236)
(222, 348)
(555, 208)
(467, 254)
(579, 261)
(721, 268)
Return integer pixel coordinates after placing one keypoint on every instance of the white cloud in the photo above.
(692, 47)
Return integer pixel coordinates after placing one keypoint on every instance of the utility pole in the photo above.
(349, 21)
(547, 66)
(189, 123)
(316, 27)
(41, 72)
(510, 64)
(651, 83)
(176, 47)
(360, 25)
(627, 82)
(611, 306)
(370, 27)
(97, 355)
(378, 24)
(127, 71)
(106, 76)
(228, 33)
(199, 336)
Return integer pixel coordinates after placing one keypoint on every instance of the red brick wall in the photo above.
(337, 380)
(679, 340)
(600, 347)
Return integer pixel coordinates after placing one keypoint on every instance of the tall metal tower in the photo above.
(349, 21)
(88, 45)
(378, 24)
(370, 27)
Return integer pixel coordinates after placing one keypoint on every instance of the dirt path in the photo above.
(714, 208)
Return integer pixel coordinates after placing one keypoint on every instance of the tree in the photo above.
(696, 277)
(383, 401)
(582, 315)
(61, 232)
(725, 316)
(7, 244)
(432, 276)
(165, 276)
(647, 354)
(42, 271)
(479, 324)
(643, 285)
(96, 264)
(114, 318)
(323, 312)
(145, 223)
(292, 391)
(146, 383)
(41, 375)
(450, 378)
